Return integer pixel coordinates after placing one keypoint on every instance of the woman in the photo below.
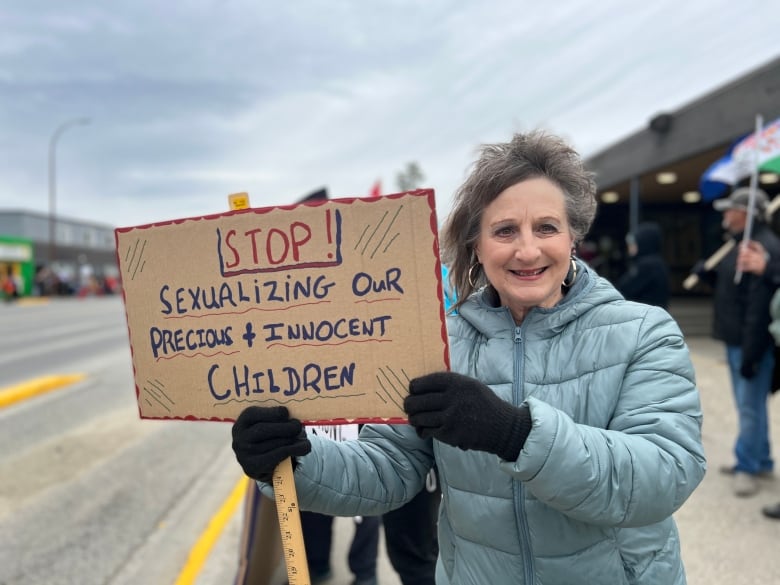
(570, 429)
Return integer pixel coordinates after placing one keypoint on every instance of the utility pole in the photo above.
(53, 181)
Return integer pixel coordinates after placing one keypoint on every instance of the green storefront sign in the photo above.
(17, 263)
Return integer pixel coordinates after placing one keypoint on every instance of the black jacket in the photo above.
(741, 311)
(647, 278)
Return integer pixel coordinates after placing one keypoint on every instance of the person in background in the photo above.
(755, 259)
(647, 277)
(8, 288)
(569, 429)
(362, 556)
(741, 322)
(411, 535)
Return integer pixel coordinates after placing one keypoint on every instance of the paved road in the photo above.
(89, 493)
(725, 539)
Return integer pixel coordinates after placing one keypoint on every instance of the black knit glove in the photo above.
(463, 412)
(748, 369)
(264, 436)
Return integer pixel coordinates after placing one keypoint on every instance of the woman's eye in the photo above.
(548, 228)
(504, 231)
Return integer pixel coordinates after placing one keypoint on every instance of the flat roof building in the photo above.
(654, 174)
(79, 250)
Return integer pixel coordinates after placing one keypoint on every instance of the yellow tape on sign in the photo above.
(290, 524)
(238, 201)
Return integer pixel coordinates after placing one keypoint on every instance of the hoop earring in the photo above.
(571, 275)
(471, 274)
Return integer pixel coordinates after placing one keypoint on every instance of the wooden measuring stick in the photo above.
(290, 524)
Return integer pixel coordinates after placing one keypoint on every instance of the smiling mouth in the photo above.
(536, 272)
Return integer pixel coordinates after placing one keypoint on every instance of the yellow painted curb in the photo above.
(202, 548)
(32, 301)
(13, 394)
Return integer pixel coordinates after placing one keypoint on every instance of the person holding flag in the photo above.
(741, 321)
(755, 259)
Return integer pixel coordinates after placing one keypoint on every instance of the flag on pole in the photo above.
(755, 150)
(376, 190)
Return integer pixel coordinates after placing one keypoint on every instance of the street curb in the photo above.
(13, 394)
(32, 301)
(202, 548)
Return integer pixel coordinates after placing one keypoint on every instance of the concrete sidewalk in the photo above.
(725, 539)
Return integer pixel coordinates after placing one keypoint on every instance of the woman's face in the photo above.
(525, 245)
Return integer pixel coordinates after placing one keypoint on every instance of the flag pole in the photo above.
(752, 192)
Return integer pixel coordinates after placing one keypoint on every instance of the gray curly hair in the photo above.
(499, 166)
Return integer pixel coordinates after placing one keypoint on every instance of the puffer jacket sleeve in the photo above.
(380, 471)
(648, 460)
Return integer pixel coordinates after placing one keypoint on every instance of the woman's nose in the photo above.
(526, 249)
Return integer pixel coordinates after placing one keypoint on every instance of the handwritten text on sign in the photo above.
(329, 308)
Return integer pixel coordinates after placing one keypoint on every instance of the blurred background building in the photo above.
(666, 172)
(80, 259)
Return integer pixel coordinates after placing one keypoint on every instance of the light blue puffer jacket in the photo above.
(614, 450)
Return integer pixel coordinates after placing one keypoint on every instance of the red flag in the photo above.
(376, 190)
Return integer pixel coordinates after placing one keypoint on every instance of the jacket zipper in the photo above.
(522, 519)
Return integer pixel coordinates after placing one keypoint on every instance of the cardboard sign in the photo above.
(327, 307)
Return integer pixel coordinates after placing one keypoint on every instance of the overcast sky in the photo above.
(192, 100)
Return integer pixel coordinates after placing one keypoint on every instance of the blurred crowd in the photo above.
(49, 282)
